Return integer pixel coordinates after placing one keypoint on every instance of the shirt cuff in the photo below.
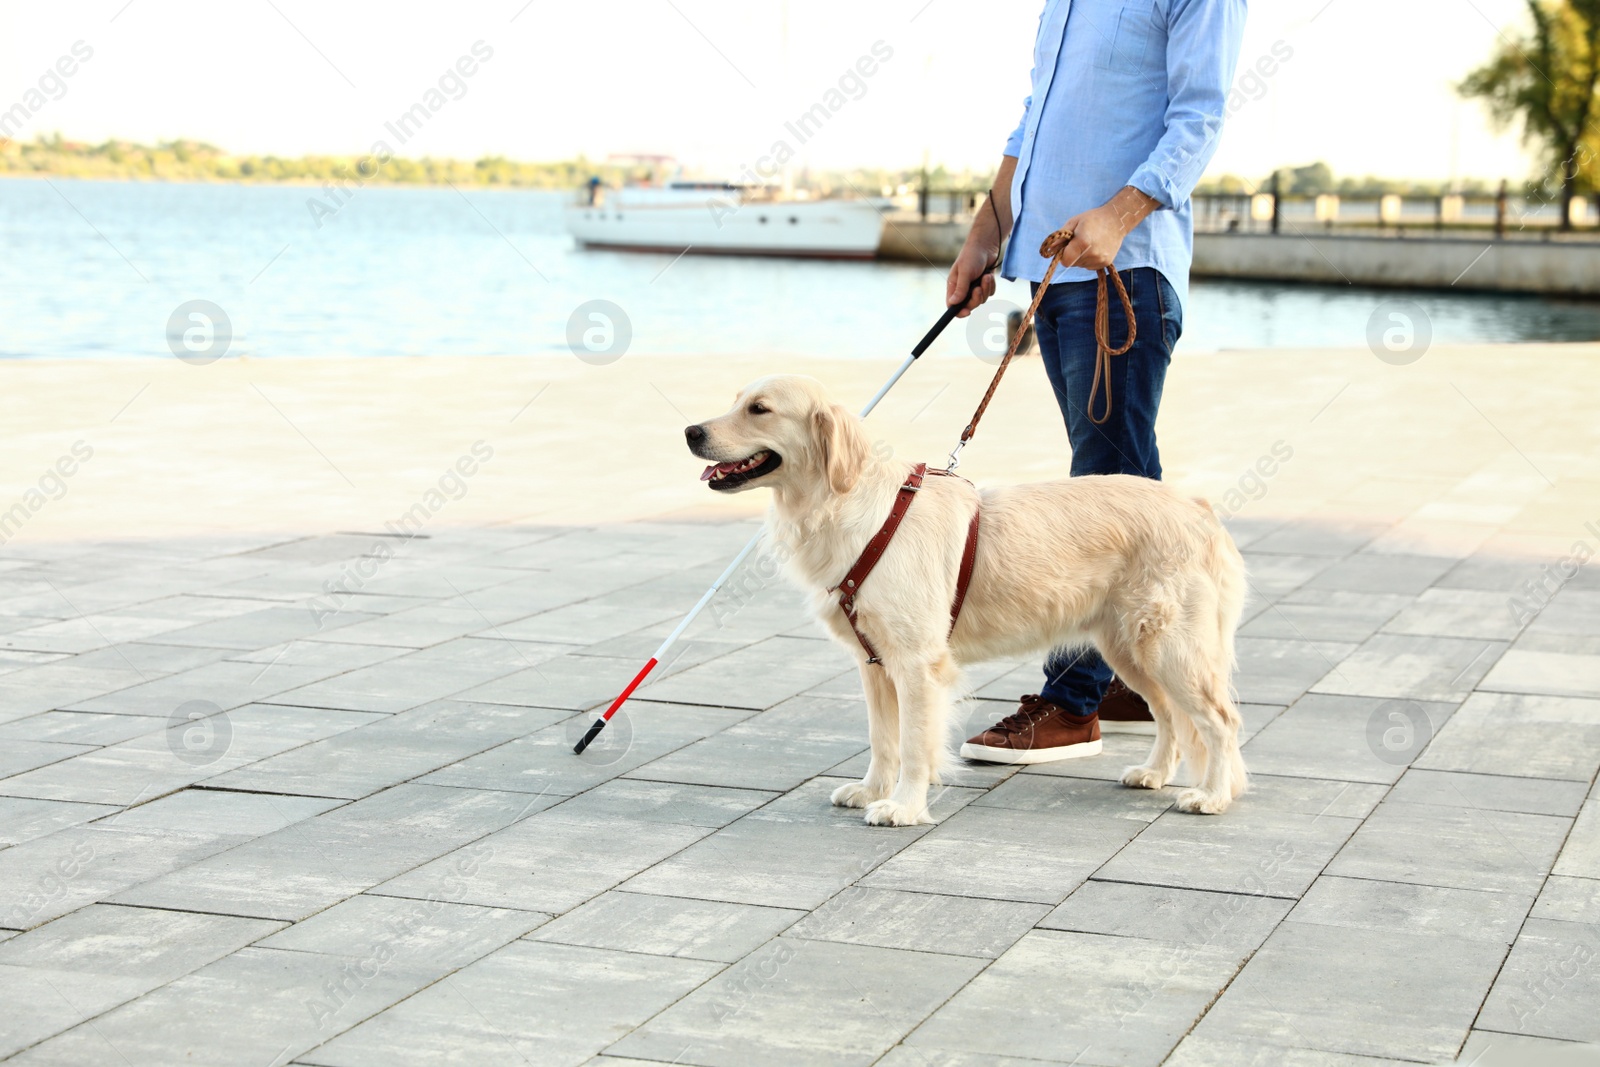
(1149, 180)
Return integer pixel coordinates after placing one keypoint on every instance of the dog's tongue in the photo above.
(709, 471)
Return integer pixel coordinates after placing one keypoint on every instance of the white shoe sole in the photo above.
(1112, 726)
(985, 754)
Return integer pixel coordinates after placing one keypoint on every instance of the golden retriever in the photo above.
(1148, 577)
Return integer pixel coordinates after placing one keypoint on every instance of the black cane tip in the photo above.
(593, 732)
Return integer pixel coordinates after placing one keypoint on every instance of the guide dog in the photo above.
(1149, 578)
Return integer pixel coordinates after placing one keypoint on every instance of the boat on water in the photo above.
(721, 218)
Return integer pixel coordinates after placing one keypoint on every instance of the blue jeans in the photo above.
(1125, 443)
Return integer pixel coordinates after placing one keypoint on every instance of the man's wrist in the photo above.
(1130, 206)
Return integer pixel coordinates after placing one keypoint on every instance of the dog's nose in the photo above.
(694, 434)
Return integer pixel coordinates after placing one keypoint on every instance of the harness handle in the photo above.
(1055, 247)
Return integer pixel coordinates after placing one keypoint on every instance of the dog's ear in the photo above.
(844, 447)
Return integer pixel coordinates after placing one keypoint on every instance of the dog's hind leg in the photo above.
(1217, 723)
(1158, 768)
(883, 729)
(924, 692)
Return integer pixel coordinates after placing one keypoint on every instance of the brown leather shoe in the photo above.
(1037, 732)
(1122, 711)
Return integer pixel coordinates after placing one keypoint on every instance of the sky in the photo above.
(1366, 87)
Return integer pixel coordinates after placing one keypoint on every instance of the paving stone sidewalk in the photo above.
(313, 801)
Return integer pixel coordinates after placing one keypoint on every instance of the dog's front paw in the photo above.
(1199, 802)
(893, 813)
(1143, 778)
(855, 795)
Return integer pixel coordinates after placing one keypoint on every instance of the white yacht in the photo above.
(713, 217)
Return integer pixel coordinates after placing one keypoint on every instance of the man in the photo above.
(1127, 105)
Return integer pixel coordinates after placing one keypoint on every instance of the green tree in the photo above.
(1547, 80)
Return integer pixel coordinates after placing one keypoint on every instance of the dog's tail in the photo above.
(1226, 566)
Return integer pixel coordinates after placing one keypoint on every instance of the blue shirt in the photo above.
(1125, 92)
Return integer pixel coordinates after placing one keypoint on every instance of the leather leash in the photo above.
(1055, 248)
(850, 585)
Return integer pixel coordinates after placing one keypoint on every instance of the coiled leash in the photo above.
(1055, 248)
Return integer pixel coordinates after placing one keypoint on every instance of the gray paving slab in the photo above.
(1471, 613)
(756, 677)
(1276, 671)
(81, 727)
(1200, 1050)
(1234, 921)
(185, 752)
(793, 856)
(1520, 736)
(1326, 615)
(674, 802)
(1314, 537)
(447, 934)
(1493, 916)
(50, 876)
(1580, 856)
(803, 1002)
(18, 756)
(252, 1007)
(1251, 849)
(56, 685)
(669, 926)
(1332, 736)
(1316, 987)
(1005, 854)
(332, 658)
(1569, 899)
(1485, 1048)
(1275, 575)
(15, 660)
(585, 623)
(1146, 996)
(82, 634)
(569, 681)
(428, 624)
(543, 761)
(550, 862)
(1417, 668)
(320, 861)
(1550, 983)
(770, 751)
(216, 811)
(389, 749)
(1496, 792)
(60, 974)
(418, 677)
(1076, 796)
(25, 818)
(1526, 670)
(922, 922)
(227, 684)
(258, 629)
(587, 998)
(1571, 611)
(1460, 847)
(1374, 572)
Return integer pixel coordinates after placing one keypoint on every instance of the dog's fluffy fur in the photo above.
(1149, 578)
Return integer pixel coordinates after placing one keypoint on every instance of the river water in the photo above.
(98, 268)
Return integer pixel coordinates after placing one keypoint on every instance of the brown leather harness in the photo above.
(850, 586)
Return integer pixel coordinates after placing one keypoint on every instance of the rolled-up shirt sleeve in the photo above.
(1202, 52)
(1014, 142)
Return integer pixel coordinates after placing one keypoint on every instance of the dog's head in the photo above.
(782, 432)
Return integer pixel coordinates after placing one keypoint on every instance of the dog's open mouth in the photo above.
(725, 476)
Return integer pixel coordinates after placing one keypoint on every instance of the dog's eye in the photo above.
(758, 408)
